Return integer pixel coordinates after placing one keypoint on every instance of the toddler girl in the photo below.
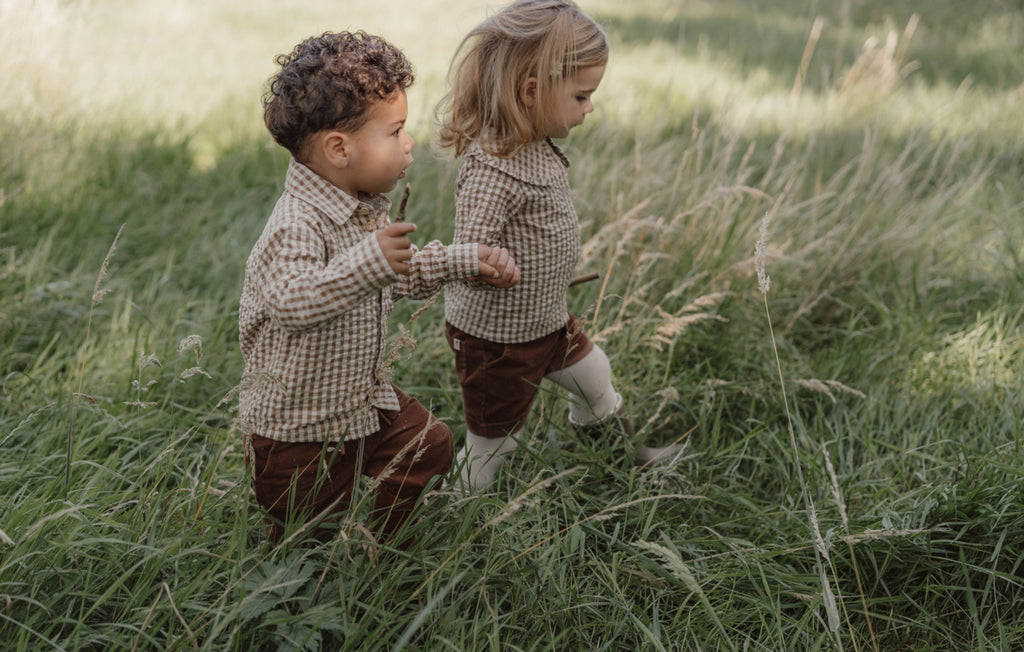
(522, 77)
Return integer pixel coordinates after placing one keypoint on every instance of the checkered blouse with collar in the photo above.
(521, 203)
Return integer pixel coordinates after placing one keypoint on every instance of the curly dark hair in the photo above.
(330, 82)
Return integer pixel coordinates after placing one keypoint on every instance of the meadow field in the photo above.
(808, 218)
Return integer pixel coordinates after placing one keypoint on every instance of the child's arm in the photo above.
(429, 268)
(301, 289)
(494, 264)
(476, 255)
(484, 203)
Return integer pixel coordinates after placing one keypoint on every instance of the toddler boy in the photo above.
(317, 405)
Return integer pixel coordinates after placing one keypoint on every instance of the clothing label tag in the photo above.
(456, 344)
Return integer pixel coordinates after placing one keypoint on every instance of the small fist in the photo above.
(396, 246)
(497, 267)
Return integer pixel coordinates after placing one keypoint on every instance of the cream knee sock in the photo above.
(481, 459)
(592, 398)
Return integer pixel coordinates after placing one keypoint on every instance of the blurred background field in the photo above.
(852, 477)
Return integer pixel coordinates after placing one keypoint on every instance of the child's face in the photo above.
(570, 102)
(380, 150)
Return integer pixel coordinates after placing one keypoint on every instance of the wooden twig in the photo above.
(586, 278)
(402, 204)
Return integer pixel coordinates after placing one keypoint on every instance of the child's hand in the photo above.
(396, 247)
(497, 267)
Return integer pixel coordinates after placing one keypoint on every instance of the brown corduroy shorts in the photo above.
(499, 381)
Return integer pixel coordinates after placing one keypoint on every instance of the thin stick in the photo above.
(586, 278)
(402, 204)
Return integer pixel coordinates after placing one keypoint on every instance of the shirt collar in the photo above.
(539, 162)
(326, 197)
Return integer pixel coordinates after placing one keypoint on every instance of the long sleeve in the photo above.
(301, 290)
(435, 265)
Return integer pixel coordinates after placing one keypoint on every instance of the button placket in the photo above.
(366, 215)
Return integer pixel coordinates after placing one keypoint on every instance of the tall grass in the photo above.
(852, 470)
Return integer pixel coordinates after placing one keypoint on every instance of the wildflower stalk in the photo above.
(820, 548)
(97, 296)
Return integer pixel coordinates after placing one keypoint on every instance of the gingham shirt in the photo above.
(521, 203)
(314, 312)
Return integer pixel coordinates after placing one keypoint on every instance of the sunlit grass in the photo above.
(199, 67)
(894, 253)
(177, 65)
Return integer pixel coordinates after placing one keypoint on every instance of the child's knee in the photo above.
(589, 382)
(432, 455)
(441, 448)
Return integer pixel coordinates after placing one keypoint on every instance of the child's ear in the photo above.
(336, 148)
(528, 92)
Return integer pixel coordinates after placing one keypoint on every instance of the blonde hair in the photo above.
(550, 40)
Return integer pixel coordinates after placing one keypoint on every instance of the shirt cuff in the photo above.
(463, 261)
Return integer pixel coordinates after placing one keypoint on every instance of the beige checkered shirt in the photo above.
(314, 311)
(520, 203)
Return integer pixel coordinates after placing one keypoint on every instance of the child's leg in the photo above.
(297, 481)
(592, 398)
(411, 448)
(499, 383)
(596, 409)
(481, 458)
